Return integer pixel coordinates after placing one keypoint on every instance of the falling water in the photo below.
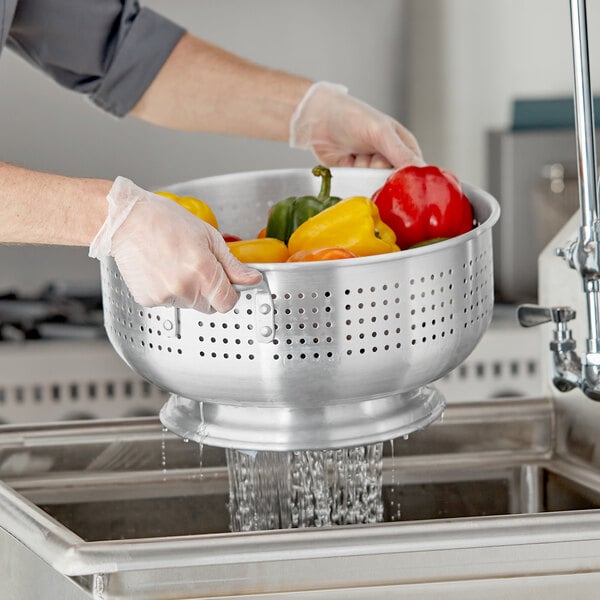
(392, 483)
(202, 433)
(163, 452)
(309, 488)
(98, 586)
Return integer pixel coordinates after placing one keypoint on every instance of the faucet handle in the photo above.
(530, 315)
(568, 253)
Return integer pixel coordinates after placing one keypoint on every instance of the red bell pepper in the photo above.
(229, 237)
(423, 203)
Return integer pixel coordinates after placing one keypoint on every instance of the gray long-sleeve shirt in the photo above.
(110, 50)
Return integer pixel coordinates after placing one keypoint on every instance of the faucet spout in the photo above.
(567, 368)
(590, 384)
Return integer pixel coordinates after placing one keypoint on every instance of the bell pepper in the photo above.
(229, 237)
(321, 254)
(428, 242)
(353, 224)
(287, 215)
(423, 203)
(195, 206)
(259, 250)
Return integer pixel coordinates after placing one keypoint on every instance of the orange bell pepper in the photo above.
(321, 254)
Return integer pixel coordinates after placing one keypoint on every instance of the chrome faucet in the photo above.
(566, 362)
(584, 253)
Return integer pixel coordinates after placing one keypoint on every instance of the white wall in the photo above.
(45, 127)
(469, 59)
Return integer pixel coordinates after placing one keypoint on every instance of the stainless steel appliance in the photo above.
(498, 499)
(534, 176)
(57, 364)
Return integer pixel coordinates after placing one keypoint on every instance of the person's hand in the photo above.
(345, 132)
(166, 255)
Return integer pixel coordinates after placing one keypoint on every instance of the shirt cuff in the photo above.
(144, 50)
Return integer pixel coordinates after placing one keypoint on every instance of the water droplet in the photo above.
(163, 452)
(200, 458)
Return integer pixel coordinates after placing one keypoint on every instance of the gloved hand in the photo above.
(166, 255)
(345, 132)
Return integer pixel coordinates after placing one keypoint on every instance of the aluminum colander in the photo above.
(319, 355)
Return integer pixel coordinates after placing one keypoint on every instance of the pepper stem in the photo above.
(325, 174)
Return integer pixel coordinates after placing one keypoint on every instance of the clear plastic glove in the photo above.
(166, 255)
(345, 132)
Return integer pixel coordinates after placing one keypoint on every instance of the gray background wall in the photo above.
(42, 126)
(449, 69)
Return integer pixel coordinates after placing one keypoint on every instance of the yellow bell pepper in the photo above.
(353, 223)
(195, 206)
(259, 250)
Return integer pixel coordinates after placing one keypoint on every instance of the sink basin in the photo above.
(498, 497)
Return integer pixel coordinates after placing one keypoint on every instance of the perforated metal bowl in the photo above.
(325, 354)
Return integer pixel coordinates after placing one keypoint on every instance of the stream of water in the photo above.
(309, 488)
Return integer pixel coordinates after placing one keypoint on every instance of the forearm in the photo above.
(39, 208)
(204, 88)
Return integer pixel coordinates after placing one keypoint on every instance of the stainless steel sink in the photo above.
(499, 497)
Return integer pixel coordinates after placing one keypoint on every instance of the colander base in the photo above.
(283, 429)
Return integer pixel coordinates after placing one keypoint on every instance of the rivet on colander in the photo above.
(171, 325)
(266, 331)
(265, 309)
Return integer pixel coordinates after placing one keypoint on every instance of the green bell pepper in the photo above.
(287, 215)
